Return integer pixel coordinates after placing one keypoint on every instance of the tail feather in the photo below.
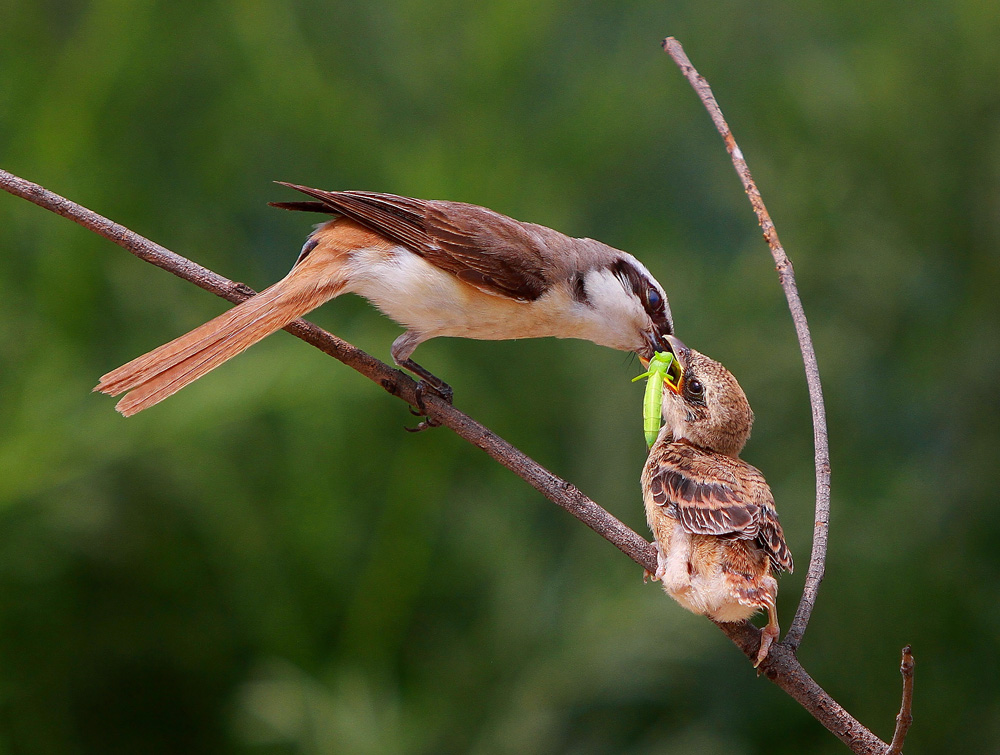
(162, 372)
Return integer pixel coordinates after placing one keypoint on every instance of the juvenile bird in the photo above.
(439, 269)
(713, 519)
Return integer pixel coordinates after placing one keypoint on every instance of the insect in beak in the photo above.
(662, 370)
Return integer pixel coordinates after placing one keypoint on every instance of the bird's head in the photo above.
(703, 403)
(627, 304)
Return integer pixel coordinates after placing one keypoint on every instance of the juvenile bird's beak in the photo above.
(676, 372)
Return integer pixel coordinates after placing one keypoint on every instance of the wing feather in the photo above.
(490, 251)
(711, 494)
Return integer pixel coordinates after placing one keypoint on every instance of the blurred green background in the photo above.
(267, 563)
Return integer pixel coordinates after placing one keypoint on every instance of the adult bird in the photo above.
(437, 268)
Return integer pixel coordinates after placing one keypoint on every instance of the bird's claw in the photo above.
(661, 563)
(426, 424)
(767, 637)
(428, 383)
(442, 390)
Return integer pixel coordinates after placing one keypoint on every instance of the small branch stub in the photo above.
(905, 717)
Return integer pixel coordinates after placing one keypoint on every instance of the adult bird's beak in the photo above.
(654, 342)
(675, 373)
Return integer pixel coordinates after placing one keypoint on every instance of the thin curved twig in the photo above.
(817, 560)
(781, 666)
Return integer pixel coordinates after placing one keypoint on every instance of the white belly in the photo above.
(697, 584)
(426, 299)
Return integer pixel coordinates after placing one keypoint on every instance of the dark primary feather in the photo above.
(302, 206)
(488, 250)
(714, 494)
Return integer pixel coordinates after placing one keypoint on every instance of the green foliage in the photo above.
(267, 563)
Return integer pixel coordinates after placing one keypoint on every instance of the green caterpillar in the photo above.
(652, 401)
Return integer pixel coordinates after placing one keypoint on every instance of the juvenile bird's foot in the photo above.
(767, 637)
(428, 383)
(661, 565)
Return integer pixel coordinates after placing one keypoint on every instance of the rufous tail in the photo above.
(162, 372)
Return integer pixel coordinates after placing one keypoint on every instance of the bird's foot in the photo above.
(661, 566)
(428, 384)
(767, 637)
(421, 411)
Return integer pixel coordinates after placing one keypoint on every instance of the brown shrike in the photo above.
(439, 269)
(717, 532)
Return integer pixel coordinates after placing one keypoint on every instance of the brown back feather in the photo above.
(494, 253)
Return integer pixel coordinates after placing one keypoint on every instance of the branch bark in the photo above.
(905, 717)
(817, 560)
(781, 666)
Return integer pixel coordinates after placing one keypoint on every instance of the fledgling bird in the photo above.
(713, 519)
(439, 269)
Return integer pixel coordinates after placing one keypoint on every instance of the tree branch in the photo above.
(905, 717)
(781, 666)
(817, 561)
(392, 380)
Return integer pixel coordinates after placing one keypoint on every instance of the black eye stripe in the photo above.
(640, 285)
(630, 277)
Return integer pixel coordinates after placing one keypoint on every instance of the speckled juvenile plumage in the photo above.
(712, 515)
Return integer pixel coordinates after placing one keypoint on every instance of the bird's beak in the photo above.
(654, 342)
(675, 373)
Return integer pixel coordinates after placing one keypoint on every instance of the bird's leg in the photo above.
(401, 349)
(768, 634)
(429, 383)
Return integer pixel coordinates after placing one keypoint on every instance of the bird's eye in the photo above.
(694, 388)
(654, 299)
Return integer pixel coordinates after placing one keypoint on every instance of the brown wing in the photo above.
(711, 494)
(702, 494)
(490, 251)
(770, 535)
